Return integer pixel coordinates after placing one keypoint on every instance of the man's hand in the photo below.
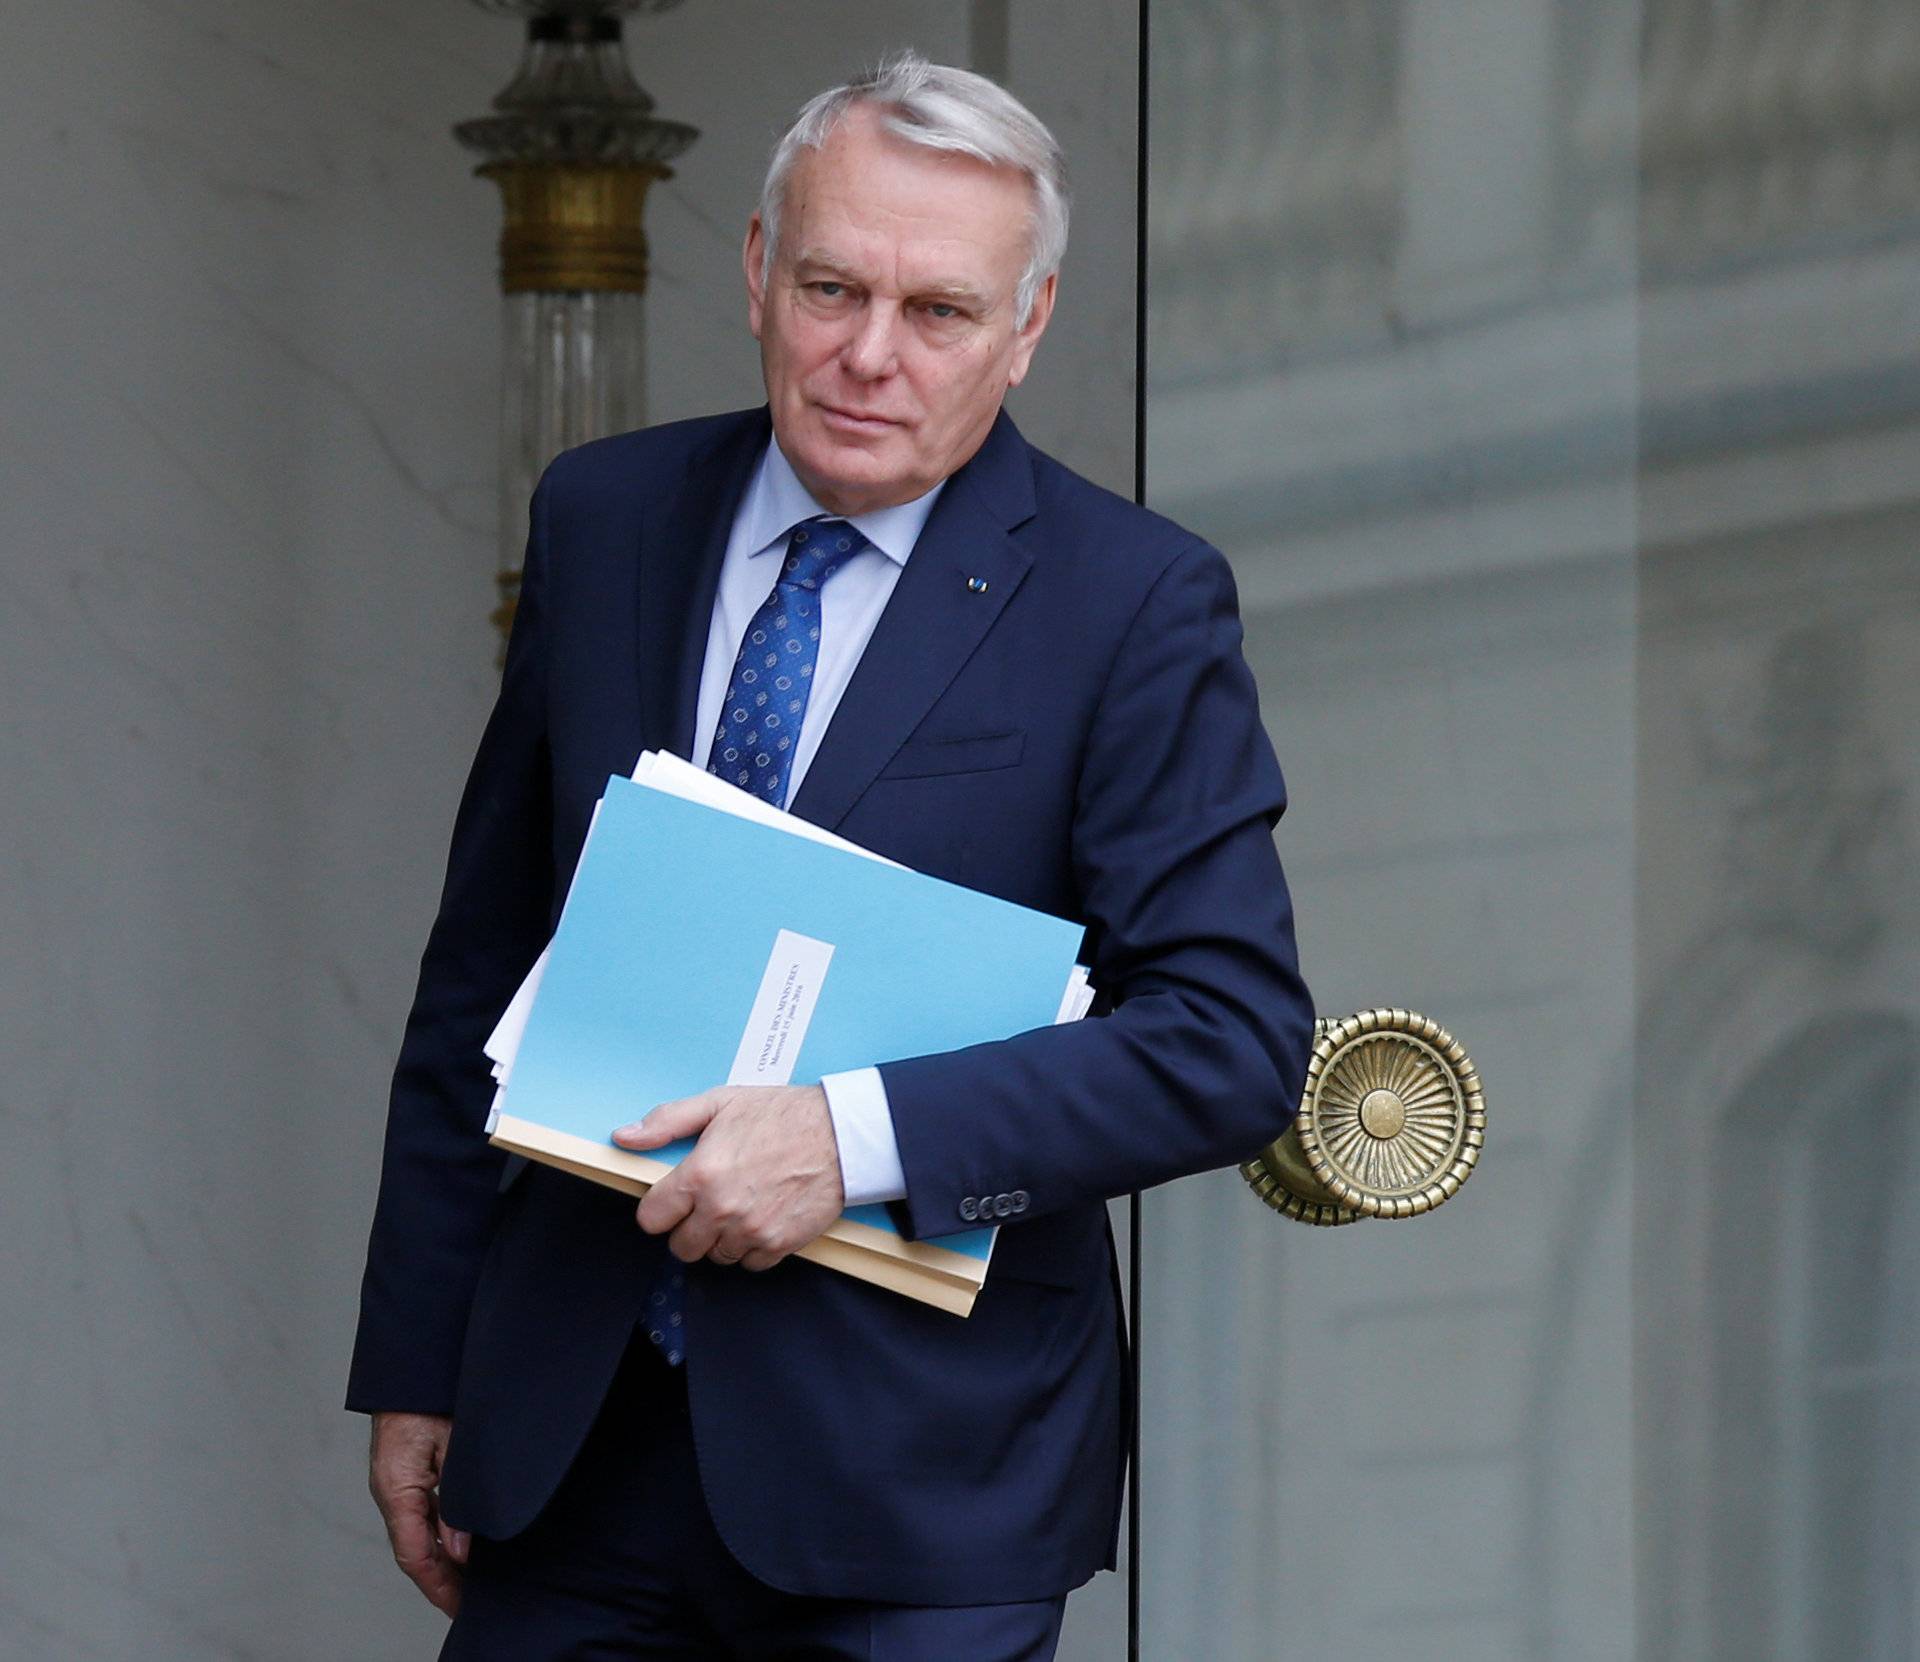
(403, 1471)
(763, 1180)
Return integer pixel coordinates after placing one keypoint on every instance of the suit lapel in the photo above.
(933, 621)
(682, 543)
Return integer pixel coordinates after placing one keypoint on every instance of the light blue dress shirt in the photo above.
(850, 605)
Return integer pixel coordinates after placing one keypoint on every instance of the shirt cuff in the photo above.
(863, 1125)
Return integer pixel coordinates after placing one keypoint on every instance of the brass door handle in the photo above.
(1391, 1123)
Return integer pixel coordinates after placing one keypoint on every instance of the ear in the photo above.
(1027, 337)
(751, 257)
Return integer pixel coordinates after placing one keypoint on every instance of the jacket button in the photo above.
(1002, 1205)
(969, 1208)
(1020, 1198)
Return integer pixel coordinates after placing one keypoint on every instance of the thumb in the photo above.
(671, 1121)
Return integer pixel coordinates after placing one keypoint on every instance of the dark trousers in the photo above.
(625, 1562)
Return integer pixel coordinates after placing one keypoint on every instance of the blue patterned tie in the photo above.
(767, 693)
(753, 748)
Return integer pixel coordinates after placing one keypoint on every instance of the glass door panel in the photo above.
(1547, 371)
(1392, 368)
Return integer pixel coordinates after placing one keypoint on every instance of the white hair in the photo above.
(945, 109)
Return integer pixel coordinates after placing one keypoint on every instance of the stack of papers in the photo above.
(709, 938)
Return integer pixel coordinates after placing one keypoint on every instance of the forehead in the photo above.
(900, 211)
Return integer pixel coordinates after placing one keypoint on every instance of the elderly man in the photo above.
(598, 1435)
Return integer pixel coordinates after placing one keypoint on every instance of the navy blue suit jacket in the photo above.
(1081, 735)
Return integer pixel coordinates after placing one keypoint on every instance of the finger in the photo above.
(761, 1258)
(687, 1117)
(416, 1549)
(455, 1543)
(439, 1583)
(409, 1532)
(667, 1203)
(694, 1239)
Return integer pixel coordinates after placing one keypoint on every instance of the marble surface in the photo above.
(248, 446)
(247, 441)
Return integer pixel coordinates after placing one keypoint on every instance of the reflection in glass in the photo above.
(1547, 370)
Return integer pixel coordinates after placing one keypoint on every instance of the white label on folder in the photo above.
(775, 1031)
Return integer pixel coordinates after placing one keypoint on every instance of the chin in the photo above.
(835, 459)
(856, 461)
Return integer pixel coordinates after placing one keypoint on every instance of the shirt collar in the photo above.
(776, 502)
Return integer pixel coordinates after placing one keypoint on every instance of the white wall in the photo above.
(247, 393)
(248, 382)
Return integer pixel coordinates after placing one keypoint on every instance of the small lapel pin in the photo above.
(978, 585)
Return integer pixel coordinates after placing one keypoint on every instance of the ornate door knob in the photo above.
(1391, 1123)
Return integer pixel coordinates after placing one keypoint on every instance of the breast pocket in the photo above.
(956, 753)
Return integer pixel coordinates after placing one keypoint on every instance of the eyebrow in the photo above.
(954, 293)
(816, 262)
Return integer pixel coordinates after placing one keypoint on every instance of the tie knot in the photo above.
(816, 550)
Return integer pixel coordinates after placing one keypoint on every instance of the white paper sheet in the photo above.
(661, 770)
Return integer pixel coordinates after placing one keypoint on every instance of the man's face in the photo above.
(886, 329)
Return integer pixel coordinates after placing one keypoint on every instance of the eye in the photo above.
(829, 290)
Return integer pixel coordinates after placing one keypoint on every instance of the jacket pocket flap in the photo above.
(964, 753)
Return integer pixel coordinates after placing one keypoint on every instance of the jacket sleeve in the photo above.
(440, 1179)
(1202, 1056)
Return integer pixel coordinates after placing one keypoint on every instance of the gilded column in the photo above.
(573, 144)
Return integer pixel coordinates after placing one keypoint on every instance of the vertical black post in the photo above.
(1140, 276)
(1140, 496)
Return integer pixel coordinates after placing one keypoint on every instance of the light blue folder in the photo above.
(666, 942)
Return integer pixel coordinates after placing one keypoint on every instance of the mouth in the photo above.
(854, 421)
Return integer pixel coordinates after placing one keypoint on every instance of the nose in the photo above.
(872, 352)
